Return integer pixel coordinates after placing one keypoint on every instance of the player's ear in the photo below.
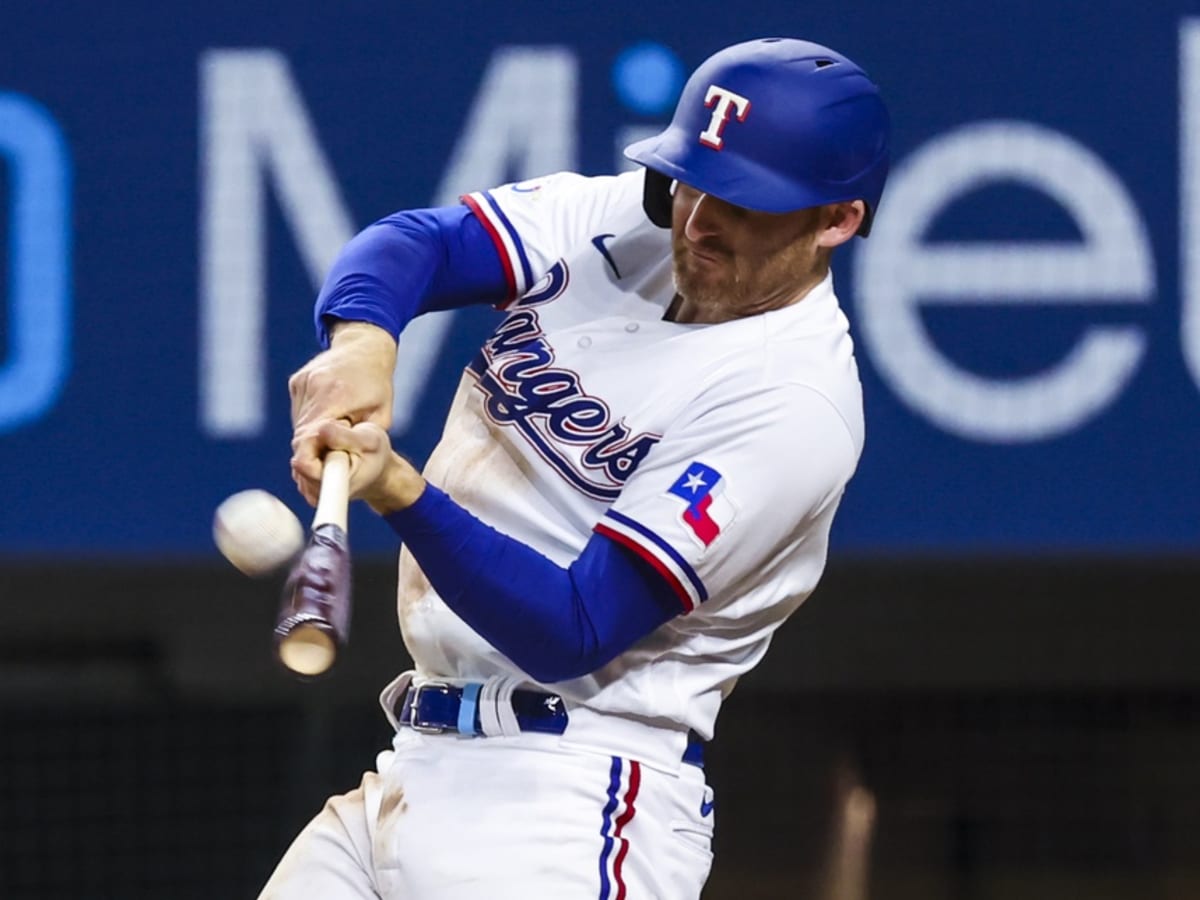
(841, 222)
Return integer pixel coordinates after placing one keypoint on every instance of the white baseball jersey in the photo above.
(716, 453)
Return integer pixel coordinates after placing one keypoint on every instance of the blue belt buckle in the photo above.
(415, 722)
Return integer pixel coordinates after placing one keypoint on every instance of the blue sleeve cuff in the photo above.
(433, 511)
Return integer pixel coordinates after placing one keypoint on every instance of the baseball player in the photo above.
(633, 490)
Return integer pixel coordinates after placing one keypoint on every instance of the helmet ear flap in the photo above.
(868, 220)
(656, 198)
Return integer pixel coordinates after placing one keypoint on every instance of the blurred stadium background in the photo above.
(996, 691)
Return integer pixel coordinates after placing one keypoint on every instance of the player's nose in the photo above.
(703, 220)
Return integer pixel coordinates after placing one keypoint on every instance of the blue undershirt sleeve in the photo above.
(554, 623)
(409, 263)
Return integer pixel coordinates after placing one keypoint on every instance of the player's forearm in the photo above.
(553, 623)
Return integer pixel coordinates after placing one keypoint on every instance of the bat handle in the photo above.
(334, 499)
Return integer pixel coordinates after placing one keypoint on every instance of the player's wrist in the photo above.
(351, 330)
(399, 488)
(369, 343)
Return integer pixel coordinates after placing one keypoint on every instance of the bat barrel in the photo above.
(314, 619)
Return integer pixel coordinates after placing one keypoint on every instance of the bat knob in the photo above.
(309, 649)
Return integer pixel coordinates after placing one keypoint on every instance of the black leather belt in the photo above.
(435, 707)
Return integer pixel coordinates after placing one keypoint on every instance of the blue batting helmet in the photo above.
(773, 125)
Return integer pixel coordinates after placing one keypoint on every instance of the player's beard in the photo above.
(726, 286)
(706, 284)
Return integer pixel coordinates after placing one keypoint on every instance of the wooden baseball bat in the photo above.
(313, 624)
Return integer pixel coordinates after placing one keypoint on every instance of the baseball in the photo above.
(257, 532)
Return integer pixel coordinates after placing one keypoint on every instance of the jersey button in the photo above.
(585, 342)
(631, 327)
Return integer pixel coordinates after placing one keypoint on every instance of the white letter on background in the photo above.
(897, 273)
(253, 125)
(1189, 193)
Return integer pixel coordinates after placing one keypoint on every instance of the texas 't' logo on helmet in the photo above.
(724, 103)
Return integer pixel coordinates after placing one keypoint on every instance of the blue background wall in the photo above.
(103, 143)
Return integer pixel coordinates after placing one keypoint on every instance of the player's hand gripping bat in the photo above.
(314, 619)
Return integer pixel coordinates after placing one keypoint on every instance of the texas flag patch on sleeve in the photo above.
(708, 510)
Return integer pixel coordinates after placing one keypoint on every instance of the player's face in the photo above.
(732, 262)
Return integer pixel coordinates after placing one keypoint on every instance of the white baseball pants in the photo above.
(504, 818)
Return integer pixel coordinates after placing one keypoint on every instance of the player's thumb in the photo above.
(366, 443)
(339, 434)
